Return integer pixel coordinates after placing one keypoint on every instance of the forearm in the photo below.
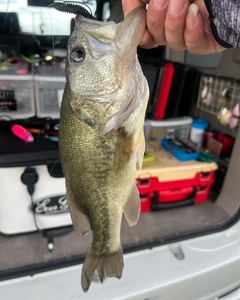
(225, 21)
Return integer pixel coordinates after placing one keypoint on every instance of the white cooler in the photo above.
(17, 209)
(32, 169)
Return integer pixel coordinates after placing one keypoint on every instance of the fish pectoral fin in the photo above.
(110, 265)
(86, 118)
(140, 149)
(79, 219)
(132, 207)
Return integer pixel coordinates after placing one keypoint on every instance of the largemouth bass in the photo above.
(101, 135)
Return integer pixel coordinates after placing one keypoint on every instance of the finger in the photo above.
(175, 24)
(198, 35)
(147, 41)
(156, 16)
(129, 5)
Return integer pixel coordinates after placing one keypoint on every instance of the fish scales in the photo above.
(101, 135)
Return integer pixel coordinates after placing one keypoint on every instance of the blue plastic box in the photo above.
(178, 153)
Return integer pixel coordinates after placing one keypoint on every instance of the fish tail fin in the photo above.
(107, 266)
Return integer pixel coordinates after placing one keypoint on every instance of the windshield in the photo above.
(38, 20)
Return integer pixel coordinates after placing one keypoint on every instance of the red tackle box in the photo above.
(171, 183)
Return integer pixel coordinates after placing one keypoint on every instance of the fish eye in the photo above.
(77, 55)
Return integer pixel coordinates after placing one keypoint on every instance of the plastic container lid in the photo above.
(168, 168)
(182, 121)
(200, 124)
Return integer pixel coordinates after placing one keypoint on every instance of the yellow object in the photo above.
(148, 160)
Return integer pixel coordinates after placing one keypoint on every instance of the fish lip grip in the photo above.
(73, 8)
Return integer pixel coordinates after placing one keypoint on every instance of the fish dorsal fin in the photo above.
(132, 207)
(140, 149)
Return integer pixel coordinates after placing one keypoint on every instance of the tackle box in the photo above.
(49, 91)
(171, 183)
(16, 97)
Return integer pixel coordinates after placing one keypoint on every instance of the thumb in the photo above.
(129, 5)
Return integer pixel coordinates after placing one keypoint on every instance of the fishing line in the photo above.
(69, 5)
(56, 79)
(41, 188)
(53, 47)
(32, 204)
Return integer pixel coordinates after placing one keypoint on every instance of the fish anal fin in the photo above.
(132, 207)
(140, 149)
(110, 265)
(79, 219)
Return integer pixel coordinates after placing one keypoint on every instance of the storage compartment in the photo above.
(49, 92)
(16, 97)
(17, 68)
(52, 70)
(175, 127)
(180, 150)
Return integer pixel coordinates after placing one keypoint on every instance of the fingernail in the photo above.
(159, 4)
(177, 6)
(191, 16)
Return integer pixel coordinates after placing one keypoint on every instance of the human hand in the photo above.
(180, 24)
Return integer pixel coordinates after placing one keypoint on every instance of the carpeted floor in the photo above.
(28, 254)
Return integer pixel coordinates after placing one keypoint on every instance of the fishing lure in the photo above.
(22, 133)
(72, 8)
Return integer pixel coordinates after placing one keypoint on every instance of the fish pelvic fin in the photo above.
(110, 265)
(79, 219)
(140, 149)
(132, 207)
